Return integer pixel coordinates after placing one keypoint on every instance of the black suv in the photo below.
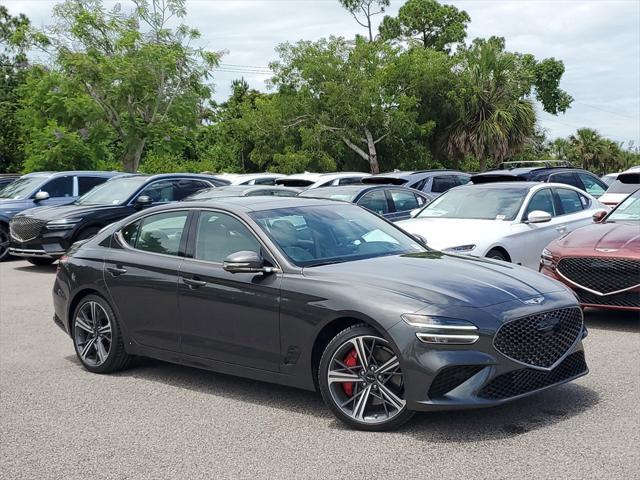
(544, 171)
(43, 234)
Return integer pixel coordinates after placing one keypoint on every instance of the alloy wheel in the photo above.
(4, 244)
(93, 334)
(365, 380)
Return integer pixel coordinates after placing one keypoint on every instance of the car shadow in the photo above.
(46, 269)
(522, 416)
(617, 320)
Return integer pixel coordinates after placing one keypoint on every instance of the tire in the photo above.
(496, 254)
(40, 262)
(86, 234)
(373, 401)
(97, 337)
(4, 243)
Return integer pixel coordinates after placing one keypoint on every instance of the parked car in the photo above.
(7, 178)
(42, 188)
(251, 178)
(547, 172)
(626, 183)
(43, 234)
(244, 191)
(393, 203)
(316, 180)
(609, 178)
(509, 221)
(317, 294)
(433, 182)
(601, 261)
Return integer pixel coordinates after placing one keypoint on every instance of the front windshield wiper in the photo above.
(328, 262)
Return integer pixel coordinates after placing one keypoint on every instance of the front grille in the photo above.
(602, 275)
(451, 377)
(624, 299)
(540, 340)
(24, 229)
(527, 380)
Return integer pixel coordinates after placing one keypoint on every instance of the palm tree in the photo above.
(495, 120)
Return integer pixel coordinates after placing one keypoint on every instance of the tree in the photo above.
(427, 23)
(593, 152)
(345, 91)
(363, 11)
(143, 76)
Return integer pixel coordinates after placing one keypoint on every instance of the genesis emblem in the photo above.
(606, 250)
(534, 301)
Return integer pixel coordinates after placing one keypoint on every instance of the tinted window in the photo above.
(219, 235)
(284, 193)
(264, 181)
(160, 233)
(463, 179)
(404, 201)
(350, 181)
(570, 201)
(375, 201)
(59, 187)
(543, 201)
(185, 187)
(419, 185)
(159, 192)
(87, 183)
(568, 178)
(443, 183)
(591, 184)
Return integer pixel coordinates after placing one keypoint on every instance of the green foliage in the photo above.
(363, 10)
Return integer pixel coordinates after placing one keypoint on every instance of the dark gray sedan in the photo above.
(318, 295)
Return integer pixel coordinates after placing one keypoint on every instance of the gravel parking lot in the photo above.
(158, 421)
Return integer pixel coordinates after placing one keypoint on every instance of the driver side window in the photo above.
(219, 235)
(543, 201)
(160, 233)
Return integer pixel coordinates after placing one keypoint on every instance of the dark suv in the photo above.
(544, 172)
(43, 234)
(39, 189)
(434, 182)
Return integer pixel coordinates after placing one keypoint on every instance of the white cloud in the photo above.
(599, 42)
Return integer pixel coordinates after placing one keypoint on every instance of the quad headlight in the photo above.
(547, 259)
(63, 223)
(441, 330)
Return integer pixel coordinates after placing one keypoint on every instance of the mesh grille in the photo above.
(25, 228)
(540, 340)
(624, 299)
(604, 275)
(451, 377)
(519, 382)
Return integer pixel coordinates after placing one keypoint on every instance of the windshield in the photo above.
(333, 193)
(113, 192)
(477, 203)
(629, 210)
(21, 188)
(319, 235)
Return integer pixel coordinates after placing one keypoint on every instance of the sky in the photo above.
(598, 41)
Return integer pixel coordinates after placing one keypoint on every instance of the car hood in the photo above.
(11, 204)
(604, 237)
(438, 278)
(65, 211)
(443, 233)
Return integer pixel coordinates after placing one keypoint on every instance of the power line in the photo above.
(605, 110)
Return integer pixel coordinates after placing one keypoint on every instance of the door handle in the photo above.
(561, 228)
(194, 283)
(115, 271)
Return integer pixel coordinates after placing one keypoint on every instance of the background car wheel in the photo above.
(39, 262)
(4, 243)
(86, 234)
(361, 380)
(496, 254)
(97, 337)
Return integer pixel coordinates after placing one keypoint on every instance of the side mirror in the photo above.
(414, 213)
(599, 216)
(244, 262)
(41, 196)
(538, 216)
(420, 239)
(143, 201)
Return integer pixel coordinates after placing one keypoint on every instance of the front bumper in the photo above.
(51, 251)
(49, 244)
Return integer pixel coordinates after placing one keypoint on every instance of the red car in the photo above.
(601, 262)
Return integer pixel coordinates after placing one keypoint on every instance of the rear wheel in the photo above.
(361, 380)
(97, 337)
(39, 262)
(4, 243)
(496, 254)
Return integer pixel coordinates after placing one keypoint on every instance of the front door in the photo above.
(229, 317)
(539, 235)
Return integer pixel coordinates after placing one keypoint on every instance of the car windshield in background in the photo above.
(627, 211)
(345, 194)
(477, 203)
(113, 192)
(21, 188)
(320, 235)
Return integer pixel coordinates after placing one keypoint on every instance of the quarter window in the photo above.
(570, 201)
(160, 233)
(59, 187)
(219, 235)
(543, 201)
(375, 201)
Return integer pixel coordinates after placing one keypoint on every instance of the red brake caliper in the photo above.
(351, 360)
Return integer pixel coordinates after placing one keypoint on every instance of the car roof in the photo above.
(93, 173)
(252, 204)
(410, 175)
(245, 189)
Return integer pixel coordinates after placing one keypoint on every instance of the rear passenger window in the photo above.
(375, 201)
(87, 183)
(185, 187)
(160, 233)
(404, 201)
(442, 184)
(59, 187)
(159, 192)
(570, 201)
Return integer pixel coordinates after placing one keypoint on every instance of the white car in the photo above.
(510, 221)
(315, 180)
(625, 183)
(251, 178)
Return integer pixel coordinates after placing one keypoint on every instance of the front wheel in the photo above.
(496, 254)
(4, 243)
(361, 380)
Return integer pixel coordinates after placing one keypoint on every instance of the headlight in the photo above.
(449, 331)
(63, 223)
(546, 259)
(461, 249)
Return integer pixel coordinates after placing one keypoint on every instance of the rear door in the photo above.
(376, 201)
(571, 207)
